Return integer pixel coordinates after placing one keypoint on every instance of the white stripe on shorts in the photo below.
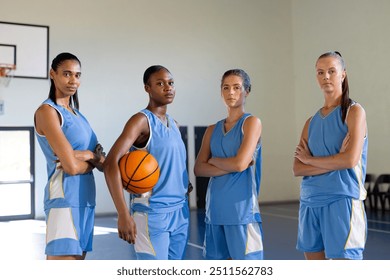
(357, 231)
(60, 225)
(254, 241)
(142, 241)
(56, 187)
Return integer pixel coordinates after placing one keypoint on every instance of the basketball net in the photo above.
(6, 73)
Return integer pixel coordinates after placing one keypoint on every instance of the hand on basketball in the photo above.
(303, 153)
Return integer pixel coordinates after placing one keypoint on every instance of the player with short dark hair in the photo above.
(159, 219)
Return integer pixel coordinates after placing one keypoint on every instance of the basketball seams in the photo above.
(137, 161)
(134, 172)
(147, 176)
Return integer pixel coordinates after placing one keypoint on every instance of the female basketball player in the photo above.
(158, 222)
(231, 155)
(331, 155)
(72, 152)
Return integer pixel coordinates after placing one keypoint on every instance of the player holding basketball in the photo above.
(72, 152)
(159, 220)
(331, 155)
(231, 155)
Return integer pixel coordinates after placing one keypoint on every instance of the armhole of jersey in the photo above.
(353, 103)
(150, 133)
(58, 112)
(346, 118)
(243, 122)
(242, 130)
(308, 126)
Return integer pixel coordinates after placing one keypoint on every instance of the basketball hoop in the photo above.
(6, 73)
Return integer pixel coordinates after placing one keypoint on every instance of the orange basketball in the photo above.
(139, 171)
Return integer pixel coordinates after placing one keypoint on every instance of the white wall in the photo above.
(359, 30)
(275, 41)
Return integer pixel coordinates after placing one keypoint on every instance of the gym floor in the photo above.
(25, 239)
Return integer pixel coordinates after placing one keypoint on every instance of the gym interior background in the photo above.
(277, 42)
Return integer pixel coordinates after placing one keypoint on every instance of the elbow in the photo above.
(349, 160)
(106, 168)
(196, 170)
(296, 170)
(70, 170)
(240, 167)
(110, 167)
(351, 163)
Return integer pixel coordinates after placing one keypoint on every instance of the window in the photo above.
(16, 173)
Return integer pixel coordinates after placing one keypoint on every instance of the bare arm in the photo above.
(202, 167)
(300, 168)
(97, 160)
(349, 156)
(252, 132)
(48, 123)
(136, 127)
(99, 156)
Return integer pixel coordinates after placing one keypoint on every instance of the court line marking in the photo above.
(195, 245)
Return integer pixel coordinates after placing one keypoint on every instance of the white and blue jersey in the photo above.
(232, 199)
(167, 147)
(64, 190)
(326, 135)
(69, 200)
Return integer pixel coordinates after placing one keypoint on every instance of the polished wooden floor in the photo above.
(25, 239)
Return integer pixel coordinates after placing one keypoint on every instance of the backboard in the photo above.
(27, 47)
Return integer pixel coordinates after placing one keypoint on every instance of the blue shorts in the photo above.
(339, 229)
(238, 242)
(69, 231)
(162, 236)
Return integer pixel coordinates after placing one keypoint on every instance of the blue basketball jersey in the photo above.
(326, 135)
(166, 145)
(62, 189)
(232, 199)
